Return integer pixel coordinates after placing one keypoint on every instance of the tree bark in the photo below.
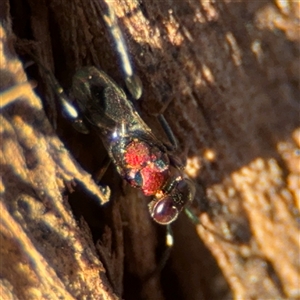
(226, 76)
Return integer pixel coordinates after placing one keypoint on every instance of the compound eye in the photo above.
(180, 193)
(164, 211)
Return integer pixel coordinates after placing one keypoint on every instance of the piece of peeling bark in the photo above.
(44, 253)
(227, 74)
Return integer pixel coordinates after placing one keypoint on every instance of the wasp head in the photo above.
(170, 201)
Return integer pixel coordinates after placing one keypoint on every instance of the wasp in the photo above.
(138, 155)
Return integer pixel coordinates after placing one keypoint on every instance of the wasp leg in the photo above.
(99, 174)
(165, 257)
(167, 252)
(132, 81)
(169, 133)
(69, 110)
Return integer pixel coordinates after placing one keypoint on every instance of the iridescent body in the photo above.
(138, 155)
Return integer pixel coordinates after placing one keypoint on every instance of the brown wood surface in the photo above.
(226, 75)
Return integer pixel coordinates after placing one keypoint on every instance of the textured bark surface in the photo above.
(226, 75)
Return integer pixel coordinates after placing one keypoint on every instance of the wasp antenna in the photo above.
(196, 221)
